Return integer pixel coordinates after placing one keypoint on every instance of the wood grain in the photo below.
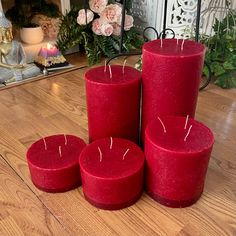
(58, 105)
(22, 213)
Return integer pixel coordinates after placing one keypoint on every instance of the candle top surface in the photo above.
(116, 162)
(50, 159)
(97, 75)
(199, 138)
(171, 48)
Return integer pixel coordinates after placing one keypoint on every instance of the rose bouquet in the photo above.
(97, 30)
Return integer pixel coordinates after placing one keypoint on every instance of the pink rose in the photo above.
(97, 6)
(106, 29)
(81, 19)
(96, 26)
(116, 29)
(111, 13)
(129, 22)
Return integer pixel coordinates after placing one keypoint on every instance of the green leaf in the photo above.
(226, 81)
(228, 65)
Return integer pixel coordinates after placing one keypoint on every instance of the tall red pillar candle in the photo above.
(170, 75)
(54, 162)
(112, 173)
(113, 102)
(177, 151)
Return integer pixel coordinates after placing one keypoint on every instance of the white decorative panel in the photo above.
(181, 14)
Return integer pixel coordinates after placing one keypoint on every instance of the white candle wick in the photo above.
(45, 144)
(123, 68)
(188, 133)
(100, 154)
(110, 71)
(105, 66)
(125, 154)
(164, 128)
(59, 149)
(182, 45)
(186, 122)
(65, 139)
(111, 142)
(161, 42)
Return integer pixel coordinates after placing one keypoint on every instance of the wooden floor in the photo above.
(57, 105)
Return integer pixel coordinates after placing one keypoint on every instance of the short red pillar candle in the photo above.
(170, 75)
(113, 102)
(177, 152)
(54, 162)
(112, 173)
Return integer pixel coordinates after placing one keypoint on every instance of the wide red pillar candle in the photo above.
(113, 102)
(177, 152)
(170, 75)
(112, 173)
(54, 162)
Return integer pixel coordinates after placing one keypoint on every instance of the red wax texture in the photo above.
(175, 169)
(113, 104)
(51, 172)
(170, 78)
(112, 183)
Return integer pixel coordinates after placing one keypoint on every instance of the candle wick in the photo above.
(186, 122)
(100, 153)
(45, 144)
(111, 143)
(59, 149)
(123, 68)
(164, 128)
(161, 42)
(125, 154)
(110, 71)
(105, 66)
(65, 139)
(182, 45)
(188, 133)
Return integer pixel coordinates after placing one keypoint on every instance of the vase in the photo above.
(32, 35)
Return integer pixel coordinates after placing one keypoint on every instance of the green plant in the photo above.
(221, 51)
(23, 11)
(94, 45)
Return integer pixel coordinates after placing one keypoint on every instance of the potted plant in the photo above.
(100, 34)
(221, 51)
(22, 13)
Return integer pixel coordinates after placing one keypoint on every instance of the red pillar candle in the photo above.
(54, 162)
(113, 102)
(177, 152)
(171, 75)
(112, 173)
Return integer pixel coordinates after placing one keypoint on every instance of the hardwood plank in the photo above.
(22, 213)
(58, 105)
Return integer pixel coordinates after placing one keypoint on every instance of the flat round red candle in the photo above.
(54, 162)
(113, 102)
(171, 75)
(177, 152)
(112, 173)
